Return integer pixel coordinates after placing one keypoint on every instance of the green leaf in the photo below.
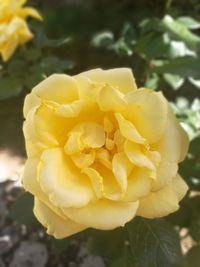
(152, 82)
(10, 87)
(179, 49)
(54, 64)
(42, 40)
(189, 22)
(32, 54)
(193, 257)
(192, 175)
(106, 243)
(153, 45)
(22, 210)
(103, 39)
(185, 67)
(174, 81)
(182, 217)
(60, 245)
(123, 262)
(194, 230)
(149, 25)
(195, 146)
(122, 47)
(154, 243)
(194, 82)
(181, 32)
(129, 34)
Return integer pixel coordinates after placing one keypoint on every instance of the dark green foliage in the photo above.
(31, 64)
(22, 210)
(153, 243)
(141, 243)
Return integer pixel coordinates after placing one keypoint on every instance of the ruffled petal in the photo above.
(139, 184)
(148, 113)
(174, 144)
(165, 173)
(62, 181)
(110, 99)
(71, 110)
(59, 88)
(31, 184)
(121, 167)
(31, 101)
(120, 78)
(96, 181)
(163, 202)
(29, 179)
(104, 214)
(137, 157)
(128, 130)
(56, 225)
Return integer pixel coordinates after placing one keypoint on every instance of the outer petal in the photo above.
(139, 184)
(104, 214)
(148, 112)
(29, 179)
(56, 225)
(71, 110)
(59, 88)
(62, 181)
(164, 201)
(44, 125)
(174, 144)
(179, 186)
(121, 78)
(31, 101)
(165, 173)
(50, 216)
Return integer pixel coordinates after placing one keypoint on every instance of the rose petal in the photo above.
(148, 112)
(128, 130)
(56, 225)
(174, 144)
(136, 156)
(165, 172)
(104, 214)
(59, 88)
(110, 99)
(121, 167)
(62, 181)
(164, 201)
(120, 78)
(139, 184)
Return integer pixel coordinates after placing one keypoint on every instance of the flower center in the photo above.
(90, 142)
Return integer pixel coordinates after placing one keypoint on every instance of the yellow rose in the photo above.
(100, 151)
(13, 27)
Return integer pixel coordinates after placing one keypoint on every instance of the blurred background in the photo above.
(160, 41)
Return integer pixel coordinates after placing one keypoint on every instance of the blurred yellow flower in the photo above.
(100, 151)
(14, 30)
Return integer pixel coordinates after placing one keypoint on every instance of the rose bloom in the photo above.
(13, 27)
(100, 152)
